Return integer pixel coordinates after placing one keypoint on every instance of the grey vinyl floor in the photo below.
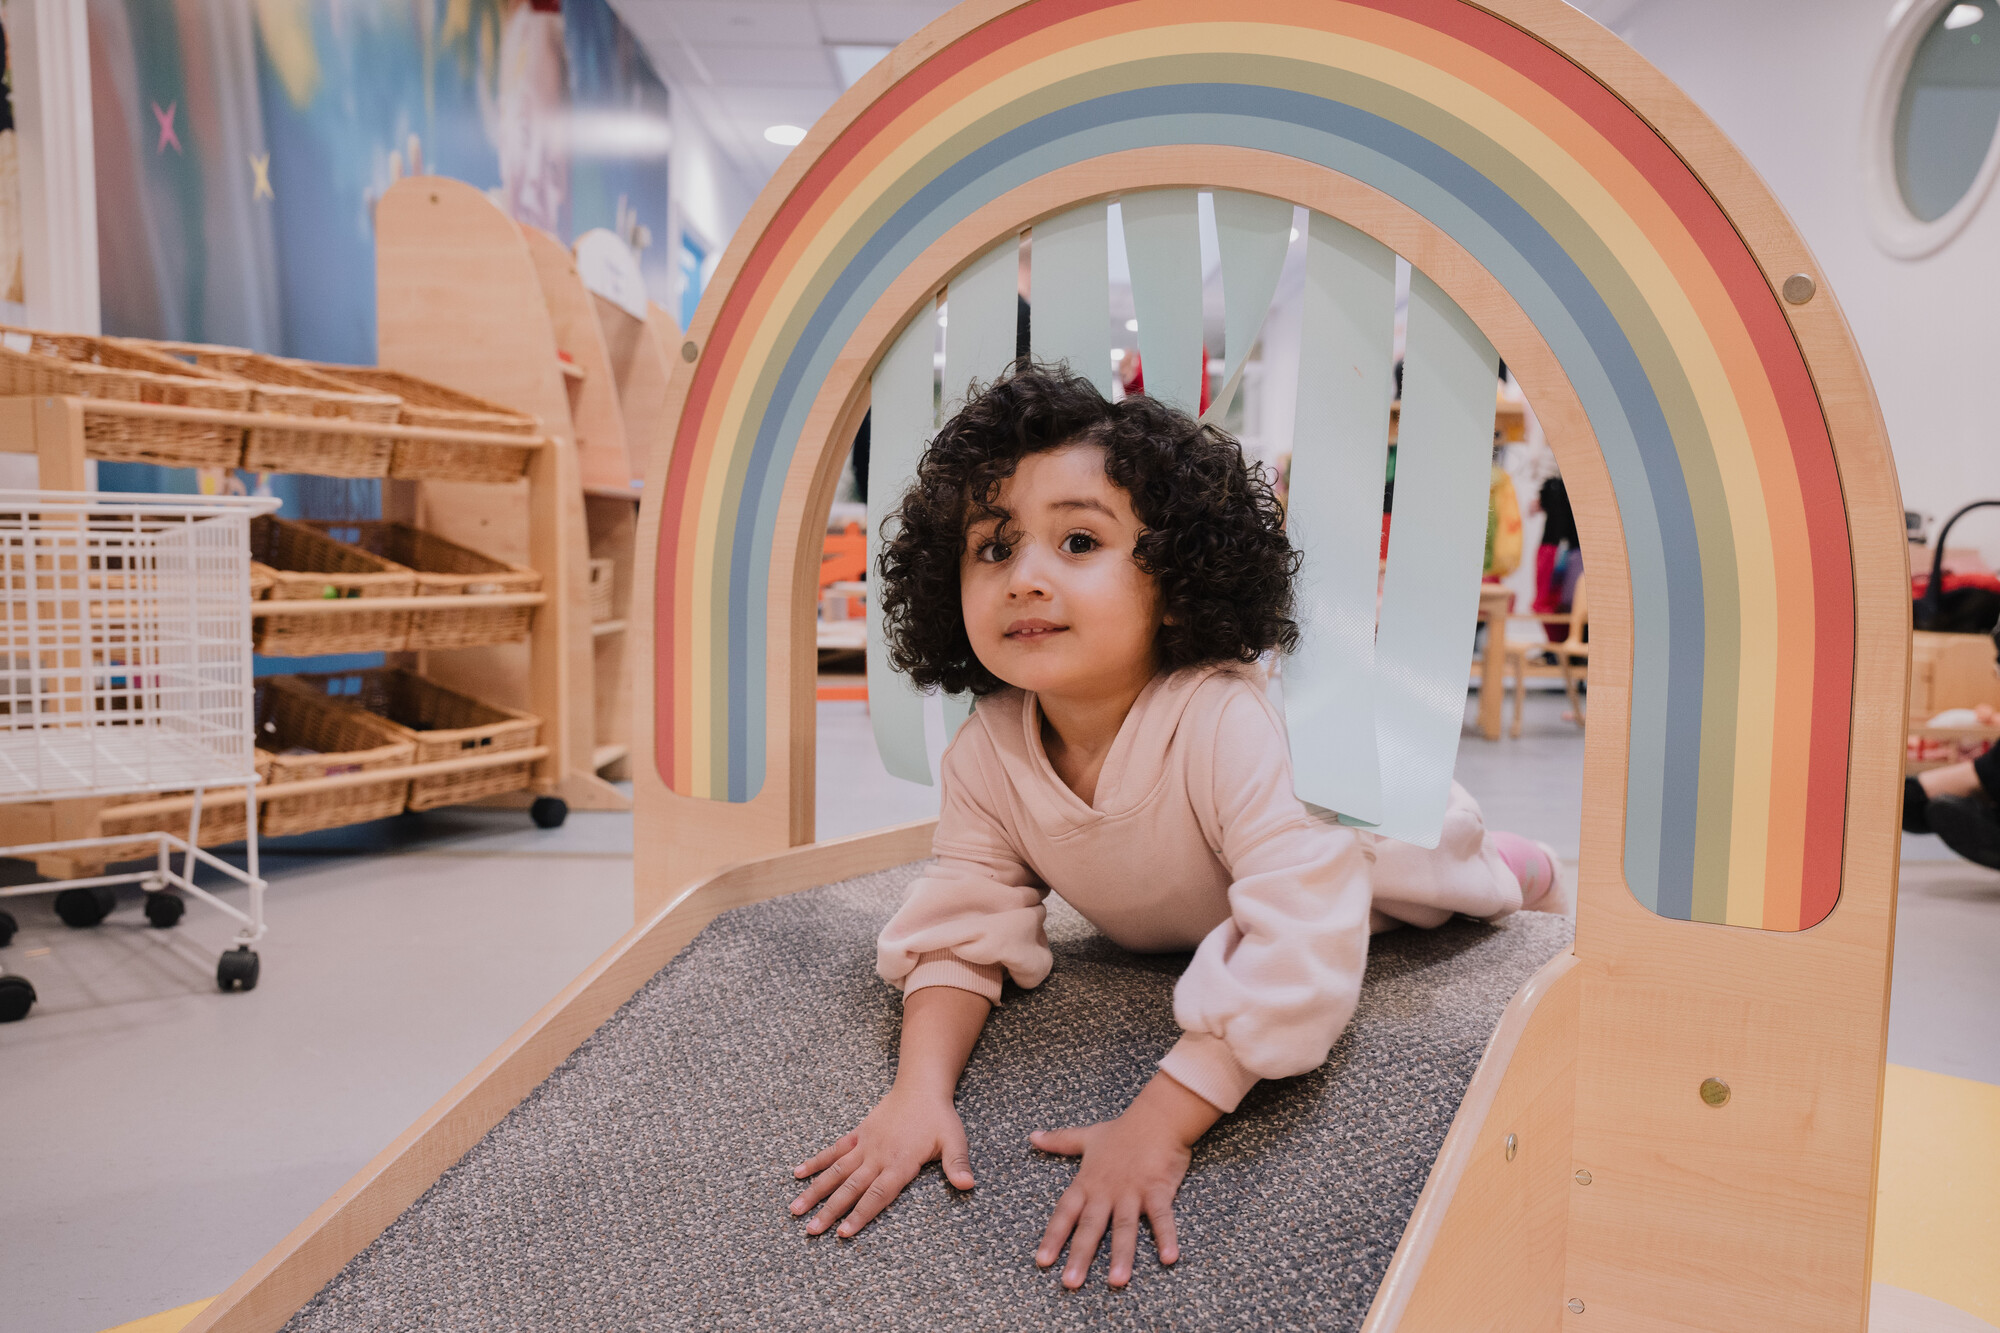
(156, 1137)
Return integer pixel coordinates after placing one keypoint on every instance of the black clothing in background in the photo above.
(1559, 522)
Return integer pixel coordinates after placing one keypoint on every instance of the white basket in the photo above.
(124, 644)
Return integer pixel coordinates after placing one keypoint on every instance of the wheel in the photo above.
(83, 908)
(237, 969)
(8, 925)
(17, 996)
(164, 910)
(549, 811)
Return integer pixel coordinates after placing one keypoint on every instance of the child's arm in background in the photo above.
(915, 1124)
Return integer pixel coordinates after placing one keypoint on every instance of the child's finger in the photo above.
(1160, 1212)
(1124, 1241)
(1063, 1142)
(881, 1192)
(829, 1180)
(812, 1166)
(842, 1200)
(957, 1160)
(1061, 1221)
(1083, 1245)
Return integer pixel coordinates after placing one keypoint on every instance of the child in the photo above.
(1105, 578)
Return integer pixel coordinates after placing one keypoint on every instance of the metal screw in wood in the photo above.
(1575, 1305)
(1512, 1144)
(1714, 1091)
(689, 351)
(1582, 1176)
(1799, 288)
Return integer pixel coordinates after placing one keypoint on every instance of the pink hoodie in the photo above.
(1195, 841)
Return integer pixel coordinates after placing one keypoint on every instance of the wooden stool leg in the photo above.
(1520, 661)
(1569, 688)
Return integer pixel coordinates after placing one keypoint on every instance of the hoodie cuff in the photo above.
(942, 967)
(1205, 1066)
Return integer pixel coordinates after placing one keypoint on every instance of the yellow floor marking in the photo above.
(1937, 1212)
(167, 1321)
(1937, 1209)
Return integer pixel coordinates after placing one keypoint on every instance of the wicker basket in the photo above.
(428, 404)
(445, 569)
(602, 605)
(442, 724)
(304, 564)
(344, 740)
(51, 363)
(294, 388)
(223, 818)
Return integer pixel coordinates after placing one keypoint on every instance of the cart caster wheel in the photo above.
(238, 969)
(549, 811)
(83, 908)
(17, 996)
(164, 910)
(8, 925)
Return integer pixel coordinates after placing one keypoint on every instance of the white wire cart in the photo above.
(125, 670)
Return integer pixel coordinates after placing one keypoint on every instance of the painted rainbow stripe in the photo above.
(1700, 400)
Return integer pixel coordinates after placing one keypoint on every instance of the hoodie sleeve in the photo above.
(975, 915)
(1273, 986)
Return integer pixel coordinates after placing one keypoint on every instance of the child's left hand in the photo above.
(1132, 1166)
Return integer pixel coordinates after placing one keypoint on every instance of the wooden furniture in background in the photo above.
(54, 429)
(1525, 657)
(463, 298)
(1494, 603)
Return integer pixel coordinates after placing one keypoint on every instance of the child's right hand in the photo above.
(868, 1167)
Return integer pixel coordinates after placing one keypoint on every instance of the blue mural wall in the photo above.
(241, 147)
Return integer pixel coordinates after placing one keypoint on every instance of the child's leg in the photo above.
(1468, 872)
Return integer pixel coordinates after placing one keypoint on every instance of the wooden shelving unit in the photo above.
(469, 298)
(59, 432)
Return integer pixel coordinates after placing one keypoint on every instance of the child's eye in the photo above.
(993, 553)
(1079, 543)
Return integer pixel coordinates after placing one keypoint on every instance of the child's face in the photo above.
(1054, 601)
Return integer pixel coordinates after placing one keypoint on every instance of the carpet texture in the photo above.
(644, 1185)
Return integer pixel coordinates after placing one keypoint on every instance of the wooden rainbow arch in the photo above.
(1656, 309)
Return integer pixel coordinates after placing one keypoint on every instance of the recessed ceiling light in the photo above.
(1295, 233)
(1963, 16)
(1131, 326)
(942, 318)
(784, 135)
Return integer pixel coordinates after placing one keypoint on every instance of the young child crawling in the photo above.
(1105, 578)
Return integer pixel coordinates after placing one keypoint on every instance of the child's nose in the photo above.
(1030, 574)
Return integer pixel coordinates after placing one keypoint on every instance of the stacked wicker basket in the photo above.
(231, 408)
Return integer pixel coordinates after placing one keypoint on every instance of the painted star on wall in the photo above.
(260, 163)
(167, 134)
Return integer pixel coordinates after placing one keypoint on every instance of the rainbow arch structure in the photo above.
(1661, 317)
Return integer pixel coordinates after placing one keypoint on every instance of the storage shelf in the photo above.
(334, 606)
(279, 790)
(604, 627)
(608, 754)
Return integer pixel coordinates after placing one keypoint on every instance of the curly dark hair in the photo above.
(1212, 532)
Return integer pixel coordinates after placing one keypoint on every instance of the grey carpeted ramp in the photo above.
(644, 1185)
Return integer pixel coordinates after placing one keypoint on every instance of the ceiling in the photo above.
(744, 65)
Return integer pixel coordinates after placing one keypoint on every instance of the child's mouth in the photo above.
(1033, 629)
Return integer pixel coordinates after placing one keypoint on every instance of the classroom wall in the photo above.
(1786, 79)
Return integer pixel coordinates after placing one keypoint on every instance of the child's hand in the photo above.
(867, 1168)
(1132, 1166)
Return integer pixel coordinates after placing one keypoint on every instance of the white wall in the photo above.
(707, 194)
(1786, 80)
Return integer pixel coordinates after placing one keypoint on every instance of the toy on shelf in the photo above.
(1673, 1126)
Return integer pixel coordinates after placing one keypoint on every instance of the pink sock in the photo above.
(1530, 862)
